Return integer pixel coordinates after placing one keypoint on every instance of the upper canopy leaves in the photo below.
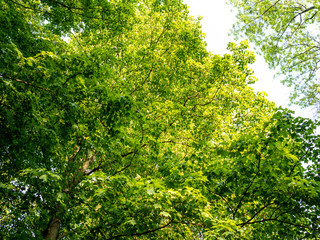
(131, 129)
(287, 34)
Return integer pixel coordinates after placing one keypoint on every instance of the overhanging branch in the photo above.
(26, 83)
(139, 234)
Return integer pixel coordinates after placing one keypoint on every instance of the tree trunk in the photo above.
(52, 231)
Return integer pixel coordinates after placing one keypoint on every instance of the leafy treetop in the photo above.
(287, 34)
(128, 128)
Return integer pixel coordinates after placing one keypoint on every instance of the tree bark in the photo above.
(52, 231)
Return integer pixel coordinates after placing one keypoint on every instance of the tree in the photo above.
(286, 33)
(116, 123)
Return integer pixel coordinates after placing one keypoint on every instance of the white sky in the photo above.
(216, 24)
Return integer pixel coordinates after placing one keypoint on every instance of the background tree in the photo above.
(287, 34)
(130, 129)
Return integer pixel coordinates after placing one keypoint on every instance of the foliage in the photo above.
(116, 123)
(287, 34)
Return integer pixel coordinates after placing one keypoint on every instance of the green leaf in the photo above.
(150, 191)
(165, 214)
(44, 178)
(132, 222)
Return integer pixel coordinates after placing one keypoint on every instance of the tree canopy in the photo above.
(286, 33)
(117, 123)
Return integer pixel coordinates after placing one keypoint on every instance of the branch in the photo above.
(304, 52)
(58, 3)
(225, 200)
(121, 170)
(145, 79)
(260, 221)
(260, 210)
(127, 154)
(300, 159)
(68, 78)
(132, 152)
(189, 97)
(26, 83)
(139, 234)
(274, 219)
(92, 171)
(37, 10)
(62, 235)
(247, 189)
(290, 21)
(307, 10)
(21, 5)
(73, 157)
(65, 6)
(283, 204)
(84, 50)
(269, 8)
(293, 224)
(171, 141)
